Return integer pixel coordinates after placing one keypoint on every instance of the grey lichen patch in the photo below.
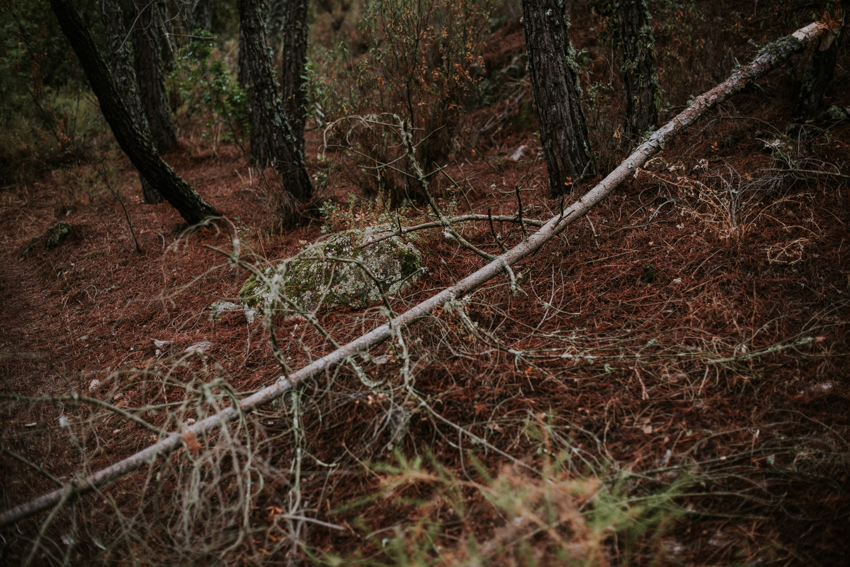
(58, 233)
(331, 272)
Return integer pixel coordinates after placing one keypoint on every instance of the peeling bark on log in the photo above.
(772, 56)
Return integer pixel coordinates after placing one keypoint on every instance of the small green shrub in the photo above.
(202, 88)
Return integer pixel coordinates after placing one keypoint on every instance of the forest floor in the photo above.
(683, 350)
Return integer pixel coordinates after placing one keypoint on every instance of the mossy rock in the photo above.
(313, 276)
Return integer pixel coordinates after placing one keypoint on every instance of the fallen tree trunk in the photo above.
(769, 58)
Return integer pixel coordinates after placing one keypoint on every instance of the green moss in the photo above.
(410, 263)
(247, 294)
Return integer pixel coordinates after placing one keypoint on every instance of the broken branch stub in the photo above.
(770, 57)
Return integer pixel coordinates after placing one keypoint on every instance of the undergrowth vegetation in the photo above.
(664, 384)
(420, 64)
(47, 116)
(205, 93)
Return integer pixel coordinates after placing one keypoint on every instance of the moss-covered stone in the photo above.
(330, 272)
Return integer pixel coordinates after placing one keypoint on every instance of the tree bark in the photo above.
(202, 14)
(563, 130)
(275, 21)
(294, 44)
(150, 75)
(273, 140)
(166, 33)
(242, 65)
(634, 38)
(137, 147)
(124, 75)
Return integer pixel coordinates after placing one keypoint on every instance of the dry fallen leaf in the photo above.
(191, 441)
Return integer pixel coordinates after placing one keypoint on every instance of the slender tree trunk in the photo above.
(124, 75)
(273, 141)
(821, 69)
(294, 42)
(202, 14)
(563, 130)
(634, 38)
(166, 31)
(150, 75)
(137, 147)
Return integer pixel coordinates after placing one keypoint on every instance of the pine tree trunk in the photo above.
(137, 147)
(124, 75)
(165, 28)
(294, 40)
(202, 14)
(275, 20)
(273, 141)
(563, 130)
(635, 39)
(150, 75)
